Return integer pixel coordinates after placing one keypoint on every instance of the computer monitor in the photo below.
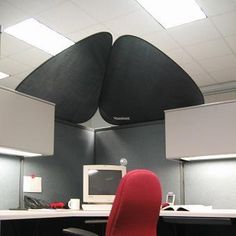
(100, 182)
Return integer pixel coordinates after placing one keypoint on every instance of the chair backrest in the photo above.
(136, 207)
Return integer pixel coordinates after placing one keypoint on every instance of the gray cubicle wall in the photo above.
(144, 147)
(61, 174)
(206, 182)
(211, 183)
(9, 181)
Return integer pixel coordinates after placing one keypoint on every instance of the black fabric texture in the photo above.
(73, 78)
(141, 82)
(130, 82)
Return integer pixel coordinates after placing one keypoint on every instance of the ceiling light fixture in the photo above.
(209, 157)
(3, 75)
(15, 152)
(170, 13)
(40, 36)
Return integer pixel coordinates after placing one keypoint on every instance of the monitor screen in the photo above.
(104, 182)
(101, 182)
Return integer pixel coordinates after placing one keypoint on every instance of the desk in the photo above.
(220, 222)
(51, 213)
(212, 217)
(48, 221)
(214, 213)
(48, 213)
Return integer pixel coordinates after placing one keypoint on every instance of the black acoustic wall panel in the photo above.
(73, 78)
(141, 82)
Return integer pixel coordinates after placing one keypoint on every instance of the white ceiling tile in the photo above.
(203, 79)
(161, 40)
(22, 75)
(192, 68)
(232, 42)
(226, 23)
(34, 7)
(197, 47)
(195, 32)
(216, 7)
(179, 56)
(66, 17)
(10, 15)
(138, 23)
(32, 57)
(11, 45)
(219, 63)
(208, 49)
(13, 81)
(10, 82)
(224, 75)
(104, 10)
(12, 67)
(81, 34)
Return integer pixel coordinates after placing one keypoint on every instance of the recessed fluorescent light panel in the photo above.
(170, 13)
(209, 157)
(40, 36)
(3, 75)
(11, 151)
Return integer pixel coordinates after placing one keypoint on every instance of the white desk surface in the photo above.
(50, 213)
(215, 213)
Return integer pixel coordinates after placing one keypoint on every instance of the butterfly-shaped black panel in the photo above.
(73, 78)
(141, 82)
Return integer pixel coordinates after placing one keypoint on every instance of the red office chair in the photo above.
(135, 211)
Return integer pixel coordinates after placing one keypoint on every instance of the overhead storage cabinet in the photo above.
(201, 132)
(26, 123)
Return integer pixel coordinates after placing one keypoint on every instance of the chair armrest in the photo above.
(77, 232)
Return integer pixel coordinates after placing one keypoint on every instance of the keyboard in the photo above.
(96, 207)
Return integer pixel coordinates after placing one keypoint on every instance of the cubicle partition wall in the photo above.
(211, 183)
(61, 173)
(143, 146)
(9, 181)
(202, 182)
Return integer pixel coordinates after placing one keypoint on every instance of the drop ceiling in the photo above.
(205, 49)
